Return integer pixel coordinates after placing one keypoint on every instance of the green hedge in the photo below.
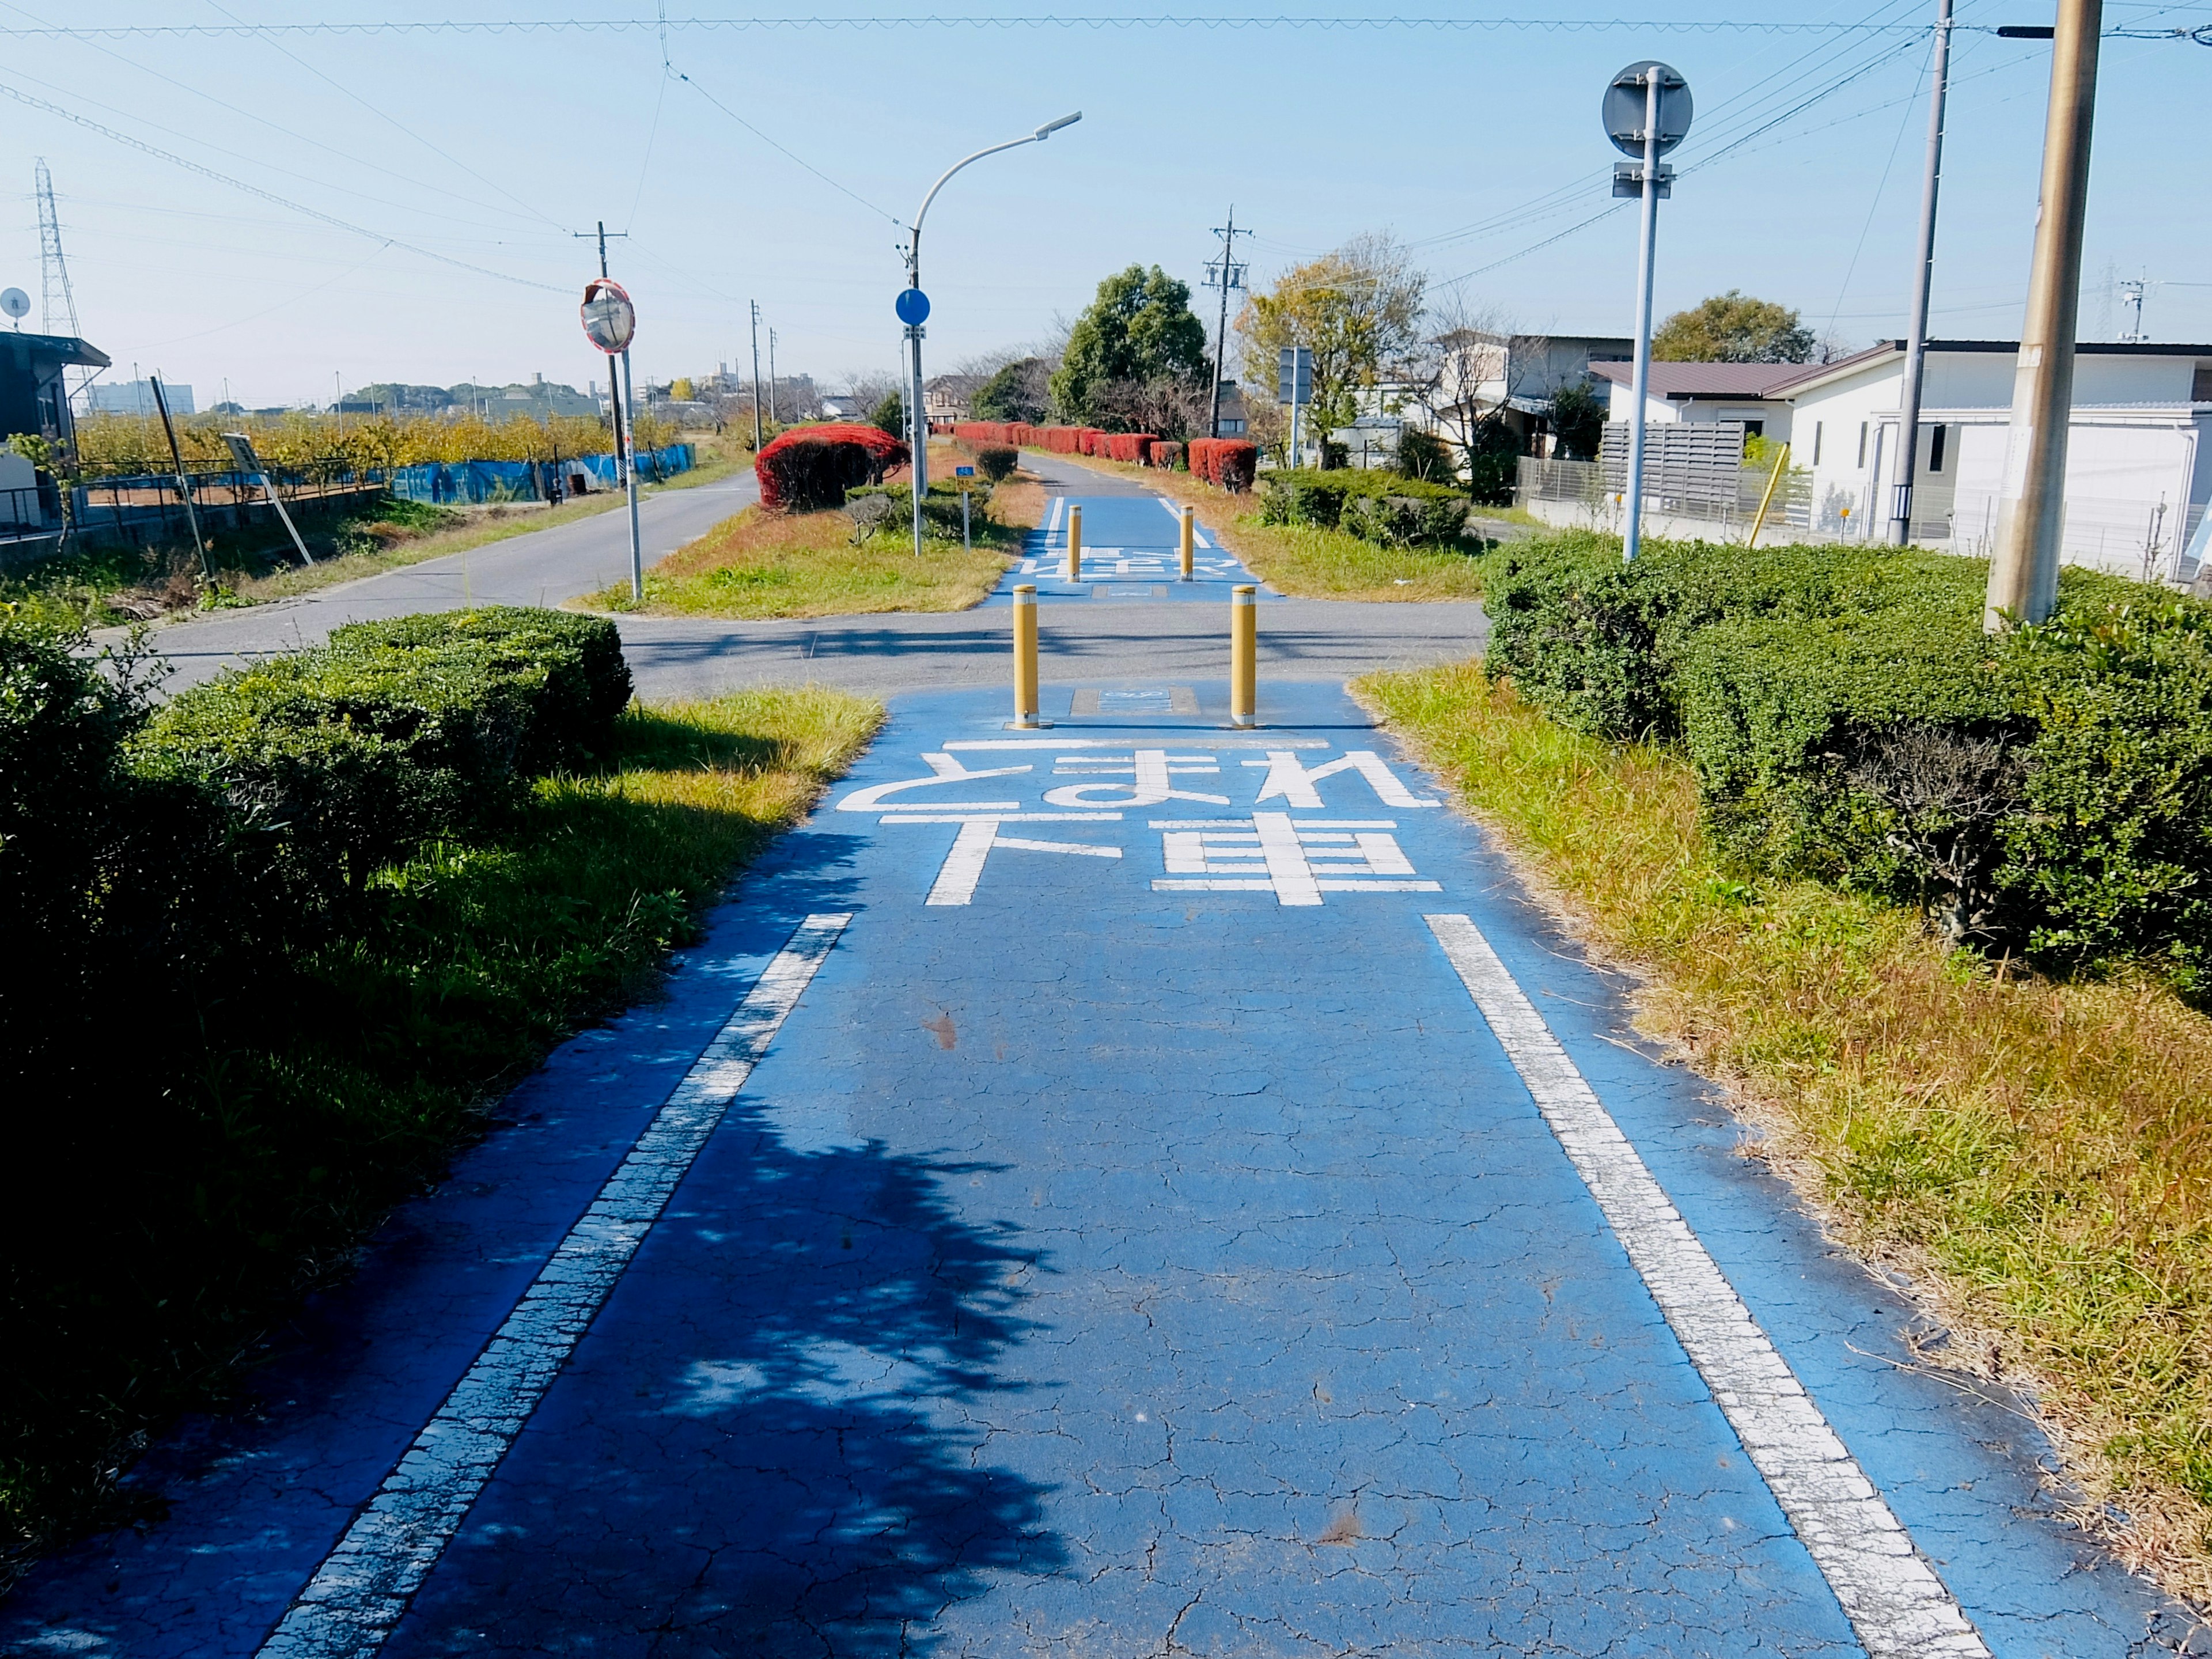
(1375, 505)
(941, 503)
(2049, 791)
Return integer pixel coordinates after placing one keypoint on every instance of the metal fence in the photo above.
(1692, 471)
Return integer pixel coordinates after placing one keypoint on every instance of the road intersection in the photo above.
(1139, 1187)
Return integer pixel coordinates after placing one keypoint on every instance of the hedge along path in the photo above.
(2039, 1156)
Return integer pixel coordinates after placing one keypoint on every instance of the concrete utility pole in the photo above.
(1224, 274)
(1924, 274)
(772, 414)
(755, 304)
(2031, 510)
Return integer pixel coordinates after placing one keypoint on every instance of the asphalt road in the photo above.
(546, 567)
(1083, 641)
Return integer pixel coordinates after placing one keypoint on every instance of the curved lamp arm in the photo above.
(913, 245)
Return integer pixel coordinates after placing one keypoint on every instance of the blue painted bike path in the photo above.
(1131, 551)
(1159, 1221)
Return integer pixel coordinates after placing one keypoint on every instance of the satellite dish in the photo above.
(1624, 108)
(15, 303)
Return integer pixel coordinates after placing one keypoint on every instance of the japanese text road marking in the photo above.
(349, 1606)
(964, 864)
(1267, 853)
(1892, 1597)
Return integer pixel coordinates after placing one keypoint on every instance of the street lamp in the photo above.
(917, 417)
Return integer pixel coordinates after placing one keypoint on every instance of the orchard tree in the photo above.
(1358, 310)
(1733, 328)
(1138, 331)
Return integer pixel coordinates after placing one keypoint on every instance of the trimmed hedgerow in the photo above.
(1384, 507)
(808, 469)
(998, 461)
(572, 666)
(2048, 791)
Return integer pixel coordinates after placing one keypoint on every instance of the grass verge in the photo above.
(1308, 563)
(2038, 1155)
(313, 1116)
(760, 565)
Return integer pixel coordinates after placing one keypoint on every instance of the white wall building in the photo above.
(2138, 457)
(136, 398)
(1750, 393)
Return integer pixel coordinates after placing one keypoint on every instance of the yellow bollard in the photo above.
(1075, 544)
(1026, 656)
(1189, 538)
(1243, 656)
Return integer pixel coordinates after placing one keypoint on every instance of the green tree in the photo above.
(1733, 328)
(1579, 419)
(1139, 330)
(890, 414)
(1018, 391)
(1358, 310)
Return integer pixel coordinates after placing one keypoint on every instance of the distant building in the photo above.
(136, 398)
(1750, 393)
(34, 402)
(1514, 378)
(947, 396)
(1234, 416)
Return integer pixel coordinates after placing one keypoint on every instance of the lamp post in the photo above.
(917, 420)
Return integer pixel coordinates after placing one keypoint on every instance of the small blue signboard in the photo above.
(913, 307)
(964, 471)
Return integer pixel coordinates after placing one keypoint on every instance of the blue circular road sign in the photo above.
(913, 307)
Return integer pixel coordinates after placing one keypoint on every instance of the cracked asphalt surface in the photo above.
(1099, 1266)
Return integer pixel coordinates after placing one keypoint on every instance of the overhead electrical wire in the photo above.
(635, 25)
(32, 101)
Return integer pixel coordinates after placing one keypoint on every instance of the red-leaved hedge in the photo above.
(1231, 463)
(809, 468)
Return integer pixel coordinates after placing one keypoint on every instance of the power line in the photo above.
(635, 25)
(31, 102)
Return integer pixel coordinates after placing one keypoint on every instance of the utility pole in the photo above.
(2032, 511)
(1224, 274)
(772, 416)
(755, 304)
(1924, 274)
(621, 393)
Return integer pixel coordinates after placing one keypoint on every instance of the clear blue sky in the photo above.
(491, 148)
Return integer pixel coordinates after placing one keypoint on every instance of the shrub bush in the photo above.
(997, 461)
(1382, 507)
(1167, 455)
(808, 469)
(584, 682)
(2049, 791)
(1231, 463)
(940, 502)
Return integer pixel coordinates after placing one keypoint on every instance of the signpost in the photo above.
(610, 324)
(1294, 386)
(241, 452)
(1647, 114)
(912, 308)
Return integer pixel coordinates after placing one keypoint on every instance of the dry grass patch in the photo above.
(2039, 1155)
(760, 564)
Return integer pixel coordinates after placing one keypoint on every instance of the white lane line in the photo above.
(357, 1595)
(1059, 507)
(1898, 1605)
(1174, 511)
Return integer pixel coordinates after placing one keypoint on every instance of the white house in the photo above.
(2138, 462)
(1511, 375)
(1750, 393)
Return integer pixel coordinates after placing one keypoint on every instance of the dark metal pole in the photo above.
(1924, 274)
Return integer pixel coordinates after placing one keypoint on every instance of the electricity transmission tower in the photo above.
(56, 302)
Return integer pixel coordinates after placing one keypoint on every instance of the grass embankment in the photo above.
(106, 584)
(1310, 563)
(468, 965)
(761, 565)
(2038, 1154)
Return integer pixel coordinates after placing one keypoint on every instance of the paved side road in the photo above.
(544, 567)
(1134, 1189)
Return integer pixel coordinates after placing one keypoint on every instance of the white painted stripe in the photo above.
(1286, 859)
(1174, 511)
(1899, 1608)
(1059, 506)
(350, 1606)
(1166, 735)
(963, 865)
(1004, 817)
